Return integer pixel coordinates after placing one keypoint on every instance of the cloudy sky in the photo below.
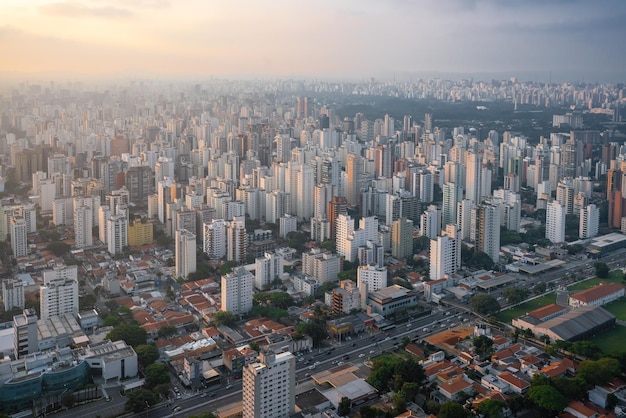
(582, 39)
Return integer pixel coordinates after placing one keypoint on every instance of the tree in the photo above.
(132, 334)
(87, 302)
(255, 346)
(570, 388)
(167, 331)
(59, 248)
(491, 408)
(540, 288)
(515, 294)
(156, 374)
(344, 406)
(111, 320)
(547, 397)
(399, 402)
(451, 410)
(483, 345)
(68, 400)
(410, 390)
(224, 318)
(138, 400)
(598, 372)
(315, 329)
(146, 354)
(162, 389)
(602, 270)
(485, 304)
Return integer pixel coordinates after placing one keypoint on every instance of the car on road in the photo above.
(178, 408)
(361, 355)
(229, 386)
(312, 367)
(372, 351)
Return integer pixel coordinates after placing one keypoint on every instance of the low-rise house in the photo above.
(456, 388)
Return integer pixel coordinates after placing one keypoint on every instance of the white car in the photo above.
(372, 351)
(311, 367)
(361, 355)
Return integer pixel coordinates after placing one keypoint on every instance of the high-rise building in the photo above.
(83, 224)
(304, 192)
(589, 221)
(337, 206)
(374, 277)
(215, 239)
(267, 269)
(402, 238)
(19, 243)
(140, 233)
(354, 174)
(464, 218)
(555, 222)
(12, 294)
(236, 239)
(452, 195)
(59, 293)
(473, 177)
(117, 233)
(445, 253)
(269, 386)
(237, 291)
(25, 333)
(430, 222)
(139, 183)
(185, 253)
(487, 230)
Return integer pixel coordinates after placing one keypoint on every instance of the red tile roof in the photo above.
(597, 292)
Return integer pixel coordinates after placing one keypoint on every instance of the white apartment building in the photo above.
(445, 253)
(185, 253)
(117, 233)
(18, 231)
(236, 239)
(321, 265)
(83, 222)
(373, 276)
(214, 244)
(59, 293)
(267, 269)
(555, 222)
(237, 291)
(12, 294)
(589, 221)
(269, 386)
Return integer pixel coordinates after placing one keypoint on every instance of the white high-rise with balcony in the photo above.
(59, 293)
(589, 221)
(237, 291)
(555, 222)
(185, 253)
(269, 386)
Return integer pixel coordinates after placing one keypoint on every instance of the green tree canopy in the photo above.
(485, 304)
(602, 270)
(491, 408)
(598, 372)
(156, 374)
(146, 354)
(133, 334)
(281, 300)
(59, 248)
(547, 397)
(167, 331)
(344, 406)
(515, 294)
(452, 410)
(139, 399)
(224, 318)
(483, 345)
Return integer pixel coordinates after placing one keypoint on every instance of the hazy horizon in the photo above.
(564, 40)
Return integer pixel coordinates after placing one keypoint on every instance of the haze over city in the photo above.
(558, 41)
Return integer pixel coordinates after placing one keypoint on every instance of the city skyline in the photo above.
(566, 40)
